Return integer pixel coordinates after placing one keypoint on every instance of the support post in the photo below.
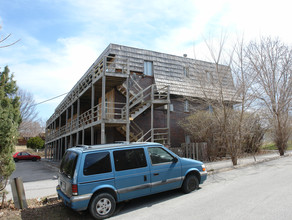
(71, 141)
(83, 132)
(72, 118)
(152, 113)
(152, 123)
(18, 193)
(92, 135)
(71, 126)
(168, 117)
(127, 109)
(103, 116)
(60, 122)
(55, 151)
(168, 124)
(60, 149)
(66, 143)
(77, 121)
(92, 112)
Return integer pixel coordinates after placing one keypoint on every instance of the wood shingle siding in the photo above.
(103, 106)
(168, 70)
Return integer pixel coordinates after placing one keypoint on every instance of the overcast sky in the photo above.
(60, 39)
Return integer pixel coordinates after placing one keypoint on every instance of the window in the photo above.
(186, 71)
(129, 159)
(148, 68)
(97, 163)
(68, 164)
(209, 76)
(186, 106)
(159, 155)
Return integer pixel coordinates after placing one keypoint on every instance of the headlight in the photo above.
(203, 168)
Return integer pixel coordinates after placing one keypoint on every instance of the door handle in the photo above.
(156, 174)
(145, 178)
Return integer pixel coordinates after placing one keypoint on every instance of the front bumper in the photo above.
(203, 176)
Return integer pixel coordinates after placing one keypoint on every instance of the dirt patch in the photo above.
(42, 209)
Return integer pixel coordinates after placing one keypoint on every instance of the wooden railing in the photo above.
(160, 94)
(137, 131)
(159, 135)
(113, 111)
(111, 65)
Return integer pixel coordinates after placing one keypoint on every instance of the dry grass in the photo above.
(20, 148)
(29, 150)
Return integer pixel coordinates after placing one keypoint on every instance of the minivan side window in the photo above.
(159, 155)
(129, 159)
(97, 163)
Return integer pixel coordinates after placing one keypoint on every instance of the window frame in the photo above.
(144, 163)
(186, 71)
(66, 167)
(160, 163)
(186, 106)
(146, 68)
(108, 162)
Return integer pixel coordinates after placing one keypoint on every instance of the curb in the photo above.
(224, 169)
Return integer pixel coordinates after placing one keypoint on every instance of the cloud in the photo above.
(61, 39)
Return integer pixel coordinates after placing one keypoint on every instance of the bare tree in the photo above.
(30, 126)
(225, 88)
(4, 39)
(271, 62)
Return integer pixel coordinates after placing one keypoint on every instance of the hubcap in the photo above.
(103, 206)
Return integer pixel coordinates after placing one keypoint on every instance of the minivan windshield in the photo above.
(68, 164)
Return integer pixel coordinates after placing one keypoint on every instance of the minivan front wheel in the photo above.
(190, 183)
(102, 206)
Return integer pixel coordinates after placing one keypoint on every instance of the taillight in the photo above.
(74, 189)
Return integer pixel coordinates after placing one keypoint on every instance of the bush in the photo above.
(35, 143)
(252, 141)
(224, 138)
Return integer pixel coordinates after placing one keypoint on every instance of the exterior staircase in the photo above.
(139, 101)
(135, 131)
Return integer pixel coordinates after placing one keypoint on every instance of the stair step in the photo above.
(123, 131)
(140, 110)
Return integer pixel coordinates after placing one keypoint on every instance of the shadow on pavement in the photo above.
(59, 211)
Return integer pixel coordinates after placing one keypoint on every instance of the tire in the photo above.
(102, 206)
(190, 183)
(34, 159)
(15, 159)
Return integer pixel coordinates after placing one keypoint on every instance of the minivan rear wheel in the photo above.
(190, 183)
(102, 206)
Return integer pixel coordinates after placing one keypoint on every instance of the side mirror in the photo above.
(174, 160)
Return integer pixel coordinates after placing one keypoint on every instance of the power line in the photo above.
(50, 99)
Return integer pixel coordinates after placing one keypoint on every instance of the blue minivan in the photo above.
(97, 177)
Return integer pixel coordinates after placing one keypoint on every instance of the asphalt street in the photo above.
(261, 191)
(256, 191)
